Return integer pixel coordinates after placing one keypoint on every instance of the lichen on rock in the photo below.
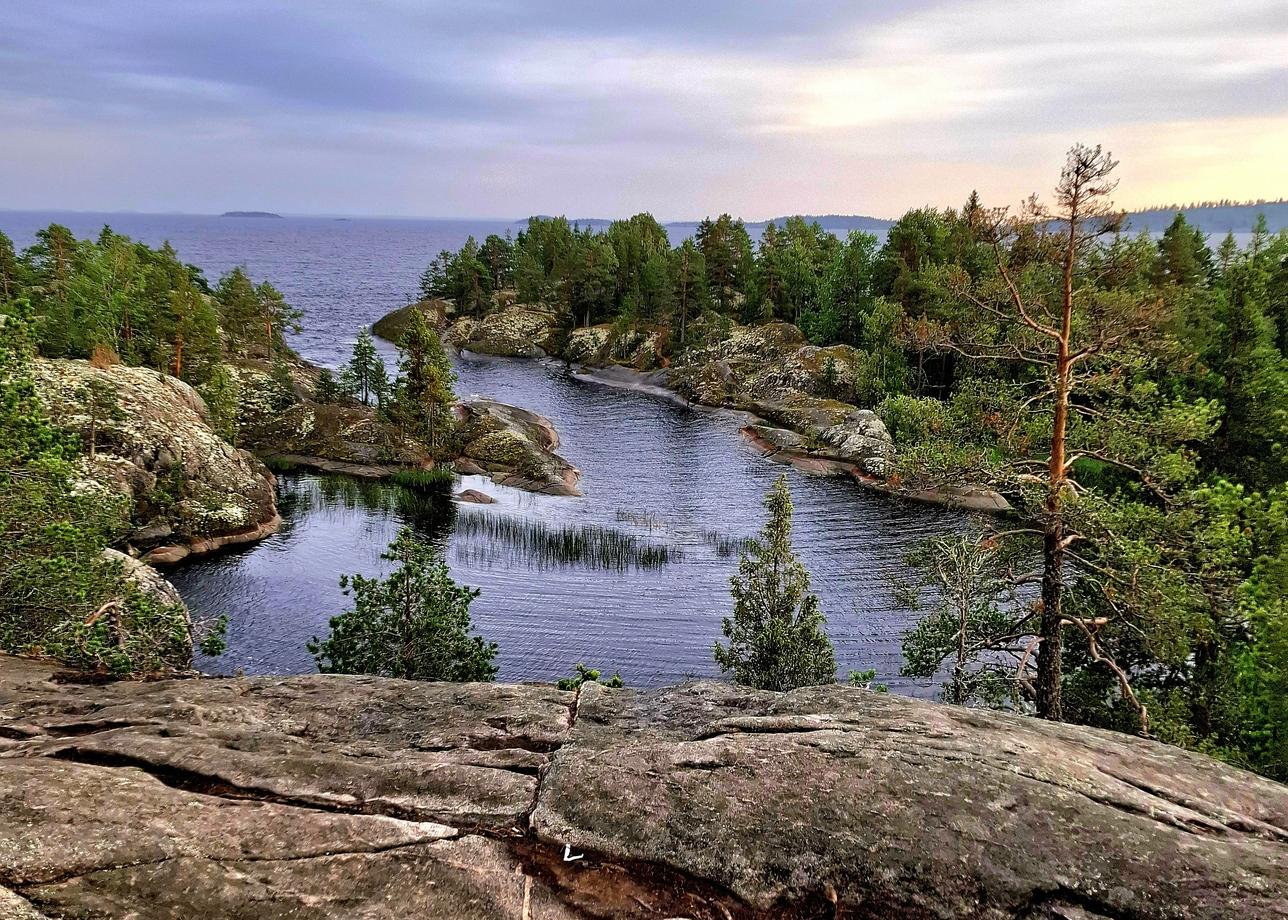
(186, 485)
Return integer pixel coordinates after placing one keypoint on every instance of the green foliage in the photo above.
(423, 397)
(438, 479)
(975, 624)
(470, 276)
(327, 389)
(913, 419)
(364, 377)
(140, 303)
(582, 674)
(59, 596)
(282, 385)
(214, 638)
(222, 394)
(255, 316)
(867, 680)
(775, 635)
(413, 624)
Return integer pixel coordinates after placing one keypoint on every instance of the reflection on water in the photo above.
(632, 576)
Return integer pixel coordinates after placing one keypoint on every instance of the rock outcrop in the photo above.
(516, 332)
(393, 325)
(148, 580)
(331, 797)
(516, 447)
(190, 491)
(296, 430)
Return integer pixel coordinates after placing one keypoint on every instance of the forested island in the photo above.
(250, 214)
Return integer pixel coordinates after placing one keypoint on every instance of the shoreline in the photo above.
(963, 498)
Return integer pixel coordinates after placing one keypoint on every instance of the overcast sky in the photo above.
(599, 108)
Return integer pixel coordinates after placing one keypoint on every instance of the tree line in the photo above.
(143, 305)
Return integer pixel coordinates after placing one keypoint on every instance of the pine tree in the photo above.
(776, 638)
(189, 330)
(239, 307)
(277, 317)
(414, 624)
(10, 270)
(424, 392)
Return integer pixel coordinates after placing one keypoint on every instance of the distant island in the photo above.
(250, 214)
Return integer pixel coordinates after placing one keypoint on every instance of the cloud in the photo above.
(512, 107)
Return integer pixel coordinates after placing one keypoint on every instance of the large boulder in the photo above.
(515, 446)
(330, 797)
(831, 431)
(190, 490)
(148, 580)
(606, 345)
(393, 325)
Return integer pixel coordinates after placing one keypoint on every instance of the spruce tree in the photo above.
(775, 635)
(361, 375)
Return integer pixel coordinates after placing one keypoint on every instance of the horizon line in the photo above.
(335, 215)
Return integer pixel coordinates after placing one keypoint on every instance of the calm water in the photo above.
(662, 473)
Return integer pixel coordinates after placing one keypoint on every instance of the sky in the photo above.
(505, 108)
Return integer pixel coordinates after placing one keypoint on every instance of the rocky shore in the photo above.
(341, 797)
(768, 372)
(189, 490)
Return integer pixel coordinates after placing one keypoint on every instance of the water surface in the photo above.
(661, 473)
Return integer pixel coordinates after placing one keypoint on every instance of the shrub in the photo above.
(912, 419)
(582, 674)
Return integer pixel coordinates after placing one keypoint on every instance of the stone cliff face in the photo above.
(320, 797)
(190, 490)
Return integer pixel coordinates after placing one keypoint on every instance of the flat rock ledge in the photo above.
(341, 797)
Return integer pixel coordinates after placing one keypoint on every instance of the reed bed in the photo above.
(438, 479)
(567, 544)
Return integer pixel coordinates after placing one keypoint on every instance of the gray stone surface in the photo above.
(870, 805)
(348, 797)
(189, 488)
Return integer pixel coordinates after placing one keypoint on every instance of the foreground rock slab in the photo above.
(842, 802)
(340, 797)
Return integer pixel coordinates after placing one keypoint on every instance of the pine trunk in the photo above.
(1049, 666)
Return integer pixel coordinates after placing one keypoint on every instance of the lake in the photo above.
(655, 474)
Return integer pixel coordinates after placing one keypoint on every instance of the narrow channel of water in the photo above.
(670, 491)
